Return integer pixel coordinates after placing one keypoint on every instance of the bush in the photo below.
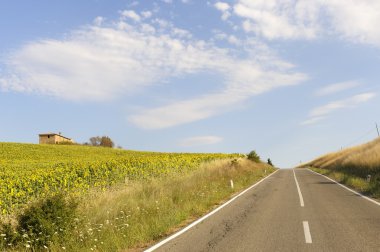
(8, 235)
(50, 220)
(270, 162)
(253, 156)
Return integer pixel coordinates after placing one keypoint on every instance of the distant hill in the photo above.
(360, 160)
(352, 166)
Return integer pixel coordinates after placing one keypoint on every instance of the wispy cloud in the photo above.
(104, 62)
(354, 20)
(279, 19)
(319, 113)
(110, 60)
(337, 87)
(131, 14)
(200, 140)
(224, 8)
(244, 79)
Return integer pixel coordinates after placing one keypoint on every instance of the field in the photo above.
(108, 199)
(35, 171)
(358, 167)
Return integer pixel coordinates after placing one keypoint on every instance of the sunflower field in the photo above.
(29, 172)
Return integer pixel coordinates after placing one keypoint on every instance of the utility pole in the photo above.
(377, 128)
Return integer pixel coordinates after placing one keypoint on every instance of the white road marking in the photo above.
(306, 230)
(345, 187)
(299, 190)
(204, 217)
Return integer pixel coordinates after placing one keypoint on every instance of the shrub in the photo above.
(270, 162)
(253, 156)
(50, 220)
(8, 235)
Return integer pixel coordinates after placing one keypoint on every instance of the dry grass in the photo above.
(365, 156)
(131, 216)
(352, 166)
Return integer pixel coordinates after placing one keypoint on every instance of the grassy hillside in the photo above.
(352, 166)
(92, 198)
(33, 171)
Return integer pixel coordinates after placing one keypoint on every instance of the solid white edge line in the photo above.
(299, 190)
(205, 217)
(345, 187)
(306, 230)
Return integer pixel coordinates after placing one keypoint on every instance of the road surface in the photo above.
(292, 210)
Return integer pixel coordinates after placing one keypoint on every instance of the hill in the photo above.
(353, 166)
(94, 198)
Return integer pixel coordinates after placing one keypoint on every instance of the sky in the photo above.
(290, 79)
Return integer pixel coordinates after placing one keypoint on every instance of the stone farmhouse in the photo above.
(53, 138)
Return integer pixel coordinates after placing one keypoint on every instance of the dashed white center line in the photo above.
(299, 190)
(306, 230)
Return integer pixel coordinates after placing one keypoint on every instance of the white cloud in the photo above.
(99, 63)
(99, 21)
(337, 87)
(200, 140)
(183, 112)
(146, 14)
(132, 15)
(312, 120)
(274, 19)
(224, 8)
(243, 80)
(233, 40)
(321, 112)
(355, 20)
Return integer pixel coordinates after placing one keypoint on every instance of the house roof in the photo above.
(53, 134)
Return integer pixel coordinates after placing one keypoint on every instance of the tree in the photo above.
(253, 156)
(95, 141)
(270, 162)
(103, 141)
(106, 141)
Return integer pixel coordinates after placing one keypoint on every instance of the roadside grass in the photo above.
(135, 215)
(352, 167)
(357, 183)
(139, 213)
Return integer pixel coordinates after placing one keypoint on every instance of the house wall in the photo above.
(47, 140)
(53, 139)
(59, 139)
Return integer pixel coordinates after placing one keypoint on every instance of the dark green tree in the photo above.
(253, 156)
(270, 162)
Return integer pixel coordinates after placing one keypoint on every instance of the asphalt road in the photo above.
(270, 217)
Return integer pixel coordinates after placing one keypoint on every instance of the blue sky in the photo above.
(289, 79)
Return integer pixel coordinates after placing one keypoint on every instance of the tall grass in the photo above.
(135, 216)
(353, 165)
(141, 212)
